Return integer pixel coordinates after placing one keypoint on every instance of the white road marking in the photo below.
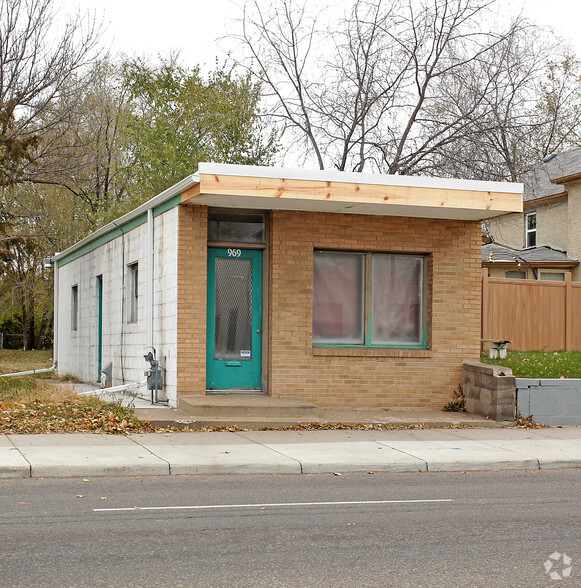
(266, 504)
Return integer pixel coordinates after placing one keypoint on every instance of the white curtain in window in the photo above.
(338, 284)
(397, 295)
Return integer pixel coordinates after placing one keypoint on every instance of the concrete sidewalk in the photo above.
(288, 452)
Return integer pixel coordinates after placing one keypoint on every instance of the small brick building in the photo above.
(342, 289)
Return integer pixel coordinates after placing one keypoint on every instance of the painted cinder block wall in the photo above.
(77, 350)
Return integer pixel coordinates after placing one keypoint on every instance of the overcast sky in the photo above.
(140, 28)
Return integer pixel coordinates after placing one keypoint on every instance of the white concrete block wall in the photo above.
(124, 347)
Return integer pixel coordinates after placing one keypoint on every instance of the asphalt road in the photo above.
(422, 529)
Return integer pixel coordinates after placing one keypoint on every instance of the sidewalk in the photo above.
(289, 452)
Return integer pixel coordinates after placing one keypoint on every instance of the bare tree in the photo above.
(43, 65)
(424, 86)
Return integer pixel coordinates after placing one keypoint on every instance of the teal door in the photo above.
(234, 347)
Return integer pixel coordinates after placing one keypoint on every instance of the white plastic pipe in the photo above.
(29, 372)
(120, 388)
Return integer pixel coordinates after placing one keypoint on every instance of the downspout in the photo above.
(149, 254)
(55, 342)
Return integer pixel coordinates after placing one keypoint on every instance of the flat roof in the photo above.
(267, 188)
(271, 188)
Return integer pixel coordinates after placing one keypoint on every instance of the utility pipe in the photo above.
(55, 322)
(30, 372)
(149, 255)
(120, 388)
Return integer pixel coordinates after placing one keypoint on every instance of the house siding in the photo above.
(552, 218)
(78, 350)
(573, 225)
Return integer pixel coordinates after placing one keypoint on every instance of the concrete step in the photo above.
(181, 420)
(244, 407)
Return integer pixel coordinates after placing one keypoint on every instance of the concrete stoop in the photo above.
(196, 412)
(256, 412)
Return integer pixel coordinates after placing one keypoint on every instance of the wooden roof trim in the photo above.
(358, 193)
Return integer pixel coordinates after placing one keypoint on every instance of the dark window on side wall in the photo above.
(133, 292)
(74, 307)
(365, 299)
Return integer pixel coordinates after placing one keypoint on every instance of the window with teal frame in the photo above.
(369, 300)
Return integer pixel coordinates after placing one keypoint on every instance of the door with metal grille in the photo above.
(234, 346)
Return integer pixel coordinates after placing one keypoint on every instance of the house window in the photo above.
(74, 307)
(515, 275)
(133, 292)
(371, 300)
(553, 276)
(235, 227)
(531, 229)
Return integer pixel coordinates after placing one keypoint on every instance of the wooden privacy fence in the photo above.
(535, 315)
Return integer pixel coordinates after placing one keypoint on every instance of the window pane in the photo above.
(531, 229)
(556, 277)
(397, 300)
(338, 297)
(233, 304)
(235, 227)
(133, 292)
(515, 275)
(531, 222)
(74, 307)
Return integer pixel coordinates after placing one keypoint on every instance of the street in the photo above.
(417, 529)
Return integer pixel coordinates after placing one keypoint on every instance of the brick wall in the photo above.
(192, 287)
(372, 377)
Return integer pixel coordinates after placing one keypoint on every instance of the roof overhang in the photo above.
(566, 179)
(265, 188)
(540, 264)
(532, 204)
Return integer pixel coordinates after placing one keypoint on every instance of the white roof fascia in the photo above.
(172, 191)
(357, 178)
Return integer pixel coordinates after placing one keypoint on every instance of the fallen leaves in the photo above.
(528, 423)
(73, 415)
(337, 427)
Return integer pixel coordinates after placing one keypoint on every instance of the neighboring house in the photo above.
(542, 263)
(548, 232)
(342, 289)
